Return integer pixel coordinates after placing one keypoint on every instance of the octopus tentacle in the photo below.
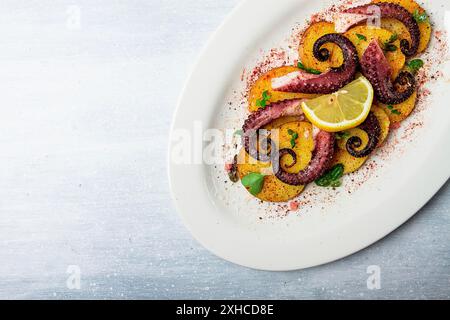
(372, 127)
(321, 159)
(328, 82)
(389, 10)
(262, 117)
(377, 70)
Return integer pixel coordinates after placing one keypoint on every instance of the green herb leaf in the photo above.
(361, 37)
(420, 17)
(309, 70)
(294, 137)
(415, 65)
(336, 184)
(342, 135)
(262, 103)
(393, 110)
(390, 47)
(393, 38)
(254, 182)
(337, 172)
(238, 132)
(331, 177)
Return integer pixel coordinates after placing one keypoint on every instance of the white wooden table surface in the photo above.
(88, 89)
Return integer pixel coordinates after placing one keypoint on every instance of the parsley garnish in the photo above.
(389, 45)
(294, 136)
(309, 70)
(262, 103)
(415, 65)
(254, 182)
(238, 132)
(332, 177)
(342, 135)
(393, 110)
(361, 37)
(420, 17)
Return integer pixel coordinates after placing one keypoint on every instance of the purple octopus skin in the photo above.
(372, 127)
(394, 11)
(262, 117)
(328, 82)
(320, 162)
(376, 69)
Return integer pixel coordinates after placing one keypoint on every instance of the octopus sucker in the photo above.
(328, 82)
(387, 10)
(321, 159)
(373, 129)
(376, 69)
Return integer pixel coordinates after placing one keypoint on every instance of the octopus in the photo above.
(384, 10)
(376, 69)
(323, 143)
(252, 126)
(320, 162)
(372, 127)
(328, 82)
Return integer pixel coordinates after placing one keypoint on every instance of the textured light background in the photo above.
(85, 115)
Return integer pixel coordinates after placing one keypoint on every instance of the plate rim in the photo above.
(436, 180)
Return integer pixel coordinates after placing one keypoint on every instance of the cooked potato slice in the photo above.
(309, 37)
(264, 83)
(396, 26)
(384, 121)
(273, 189)
(361, 36)
(399, 112)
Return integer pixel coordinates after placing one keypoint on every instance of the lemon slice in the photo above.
(342, 110)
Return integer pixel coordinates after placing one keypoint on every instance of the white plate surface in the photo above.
(227, 221)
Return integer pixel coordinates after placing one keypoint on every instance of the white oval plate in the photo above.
(226, 220)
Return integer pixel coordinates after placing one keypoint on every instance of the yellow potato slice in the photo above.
(404, 109)
(309, 37)
(396, 58)
(273, 189)
(264, 83)
(385, 123)
(396, 26)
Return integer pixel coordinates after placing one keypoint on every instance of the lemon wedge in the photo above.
(342, 110)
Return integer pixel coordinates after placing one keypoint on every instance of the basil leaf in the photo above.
(337, 172)
(336, 184)
(254, 182)
(415, 65)
(331, 177)
(323, 181)
(361, 37)
(420, 17)
(262, 103)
